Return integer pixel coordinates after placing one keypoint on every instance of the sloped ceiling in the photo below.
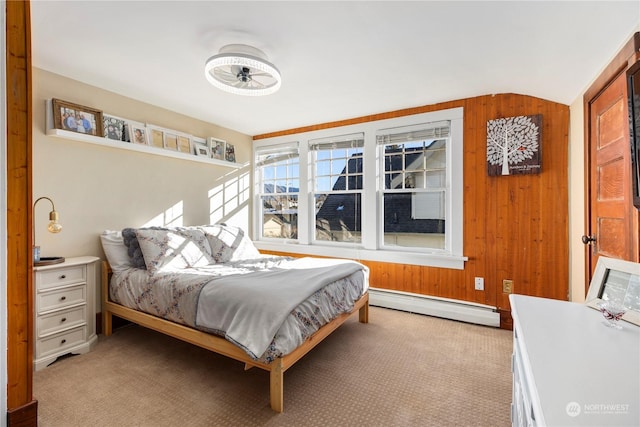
(338, 59)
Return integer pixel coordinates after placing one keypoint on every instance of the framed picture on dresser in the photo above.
(618, 281)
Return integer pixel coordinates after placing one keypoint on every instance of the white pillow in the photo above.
(229, 243)
(115, 251)
(177, 248)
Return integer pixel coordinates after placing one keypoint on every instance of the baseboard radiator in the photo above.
(433, 306)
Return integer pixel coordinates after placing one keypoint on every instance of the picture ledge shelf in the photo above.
(91, 139)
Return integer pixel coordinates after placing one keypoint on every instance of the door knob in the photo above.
(588, 239)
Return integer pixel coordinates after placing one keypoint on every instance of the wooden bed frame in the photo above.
(222, 346)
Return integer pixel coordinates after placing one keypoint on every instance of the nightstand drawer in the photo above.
(54, 322)
(47, 301)
(59, 342)
(61, 276)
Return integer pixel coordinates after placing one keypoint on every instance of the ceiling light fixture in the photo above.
(242, 70)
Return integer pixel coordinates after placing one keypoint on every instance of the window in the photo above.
(386, 190)
(337, 177)
(278, 174)
(414, 189)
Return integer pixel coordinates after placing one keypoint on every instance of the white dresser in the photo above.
(569, 369)
(64, 309)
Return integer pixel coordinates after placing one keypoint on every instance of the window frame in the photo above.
(339, 142)
(259, 193)
(413, 191)
(369, 248)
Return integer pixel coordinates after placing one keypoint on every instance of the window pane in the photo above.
(281, 186)
(354, 165)
(338, 217)
(269, 187)
(323, 168)
(323, 155)
(415, 160)
(323, 183)
(401, 228)
(393, 162)
(280, 216)
(338, 166)
(436, 179)
(267, 173)
(393, 180)
(412, 146)
(281, 171)
(355, 182)
(293, 186)
(354, 152)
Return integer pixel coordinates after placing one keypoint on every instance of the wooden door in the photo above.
(609, 212)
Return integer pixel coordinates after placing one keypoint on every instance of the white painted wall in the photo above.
(97, 187)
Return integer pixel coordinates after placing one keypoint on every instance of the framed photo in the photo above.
(200, 147)
(77, 118)
(114, 127)
(618, 281)
(156, 136)
(138, 133)
(217, 147)
(170, 141)
(230, 153)
(184, 143)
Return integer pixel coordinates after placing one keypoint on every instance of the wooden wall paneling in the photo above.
(515, 227)
(22, 409)
(476, 203)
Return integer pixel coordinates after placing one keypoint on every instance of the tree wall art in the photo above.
(513, 145)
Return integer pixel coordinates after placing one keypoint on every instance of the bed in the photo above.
(209, 286)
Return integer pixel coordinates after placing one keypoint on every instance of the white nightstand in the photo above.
(65, 319)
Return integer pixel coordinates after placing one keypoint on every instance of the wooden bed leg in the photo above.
(107, 319)
(276, 390)
(363, 315)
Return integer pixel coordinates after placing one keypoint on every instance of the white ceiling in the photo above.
(338, 60)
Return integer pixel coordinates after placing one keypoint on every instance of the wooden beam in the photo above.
(19, 265)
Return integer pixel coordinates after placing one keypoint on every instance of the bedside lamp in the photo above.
(53, 227)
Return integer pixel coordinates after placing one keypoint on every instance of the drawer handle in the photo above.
(63, 298)
(64, 319)
(63, 341)
(64, 276)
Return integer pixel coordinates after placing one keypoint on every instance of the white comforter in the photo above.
(248, 309)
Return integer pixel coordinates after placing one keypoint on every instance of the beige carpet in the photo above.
(401, 369)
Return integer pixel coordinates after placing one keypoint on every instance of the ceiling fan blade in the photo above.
(225, 76)
(258, 84)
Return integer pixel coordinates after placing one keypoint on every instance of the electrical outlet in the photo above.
(507, 286)
(479, 283)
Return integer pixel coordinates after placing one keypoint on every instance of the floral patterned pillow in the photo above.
(176, 248)
(229, 243)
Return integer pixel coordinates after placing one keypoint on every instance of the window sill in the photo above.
(395, 257)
